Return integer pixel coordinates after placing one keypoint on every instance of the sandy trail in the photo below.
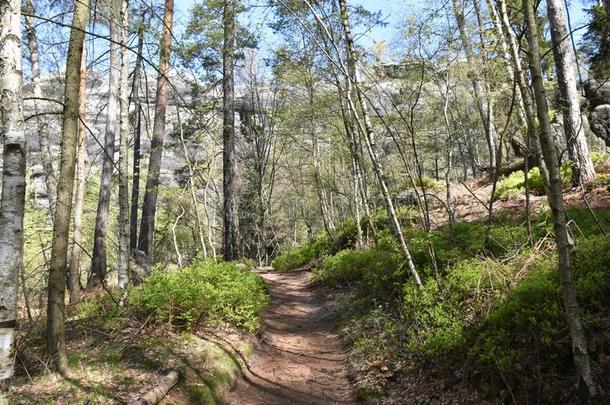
(300, 359)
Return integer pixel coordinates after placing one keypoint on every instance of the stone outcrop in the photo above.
(598, 96)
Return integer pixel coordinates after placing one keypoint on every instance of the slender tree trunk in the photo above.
(98, 262)
(479, 90)
(149, 207)
(41, 123)
(576, 140)
(12, 201)
(502, 39)
(135, 184)
(532, 143)
(229, 238)
(56, 343)
(207, 212)
(351, 135)
(123, 264)
(74, 274)
(367, 131)
(192, 189)
(563, 238)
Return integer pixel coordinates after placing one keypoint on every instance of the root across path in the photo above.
(300, 358)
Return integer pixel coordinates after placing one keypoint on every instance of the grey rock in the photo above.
(600, 122)
(598, 93)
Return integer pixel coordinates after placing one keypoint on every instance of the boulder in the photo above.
(407, 197)
(597, 92)
(600, 122)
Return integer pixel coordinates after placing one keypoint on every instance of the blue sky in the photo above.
(394, 12)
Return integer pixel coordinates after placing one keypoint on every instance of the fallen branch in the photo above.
(155, 395)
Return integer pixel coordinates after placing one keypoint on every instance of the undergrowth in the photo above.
(205, 292)
(495, 305)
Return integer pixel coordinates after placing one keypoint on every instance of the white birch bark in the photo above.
(578, 148)
(123, 264)
(41, 123)
(13, 178)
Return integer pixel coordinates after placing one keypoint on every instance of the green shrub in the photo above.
(511, 185)
(601, 161)
(203, 293)
(514, 184)
(300, 256)
(376, 271)
(532, 312)
(430, 184)
(439, 313)
(592, 271)
(345, 237)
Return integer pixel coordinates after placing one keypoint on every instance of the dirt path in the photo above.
(300, 359)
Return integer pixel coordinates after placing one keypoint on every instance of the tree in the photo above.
(563, 239)
(597, 40)
(41, 124)
(135, 182)
(149, 206)
(98, 262)
(578, 149)
(12, 201)
(123, 276)
(482, 100)
(230, 222)
(73, 273)
(56, 343)
(366, 129)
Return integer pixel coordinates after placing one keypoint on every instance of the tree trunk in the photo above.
(563, 238)
(192, 189)
(531, 141)
(12, 202)
(576, 140)
(74, 274)
(41, 123)
(229, 238)
(56, 343)
(367, 131)
(207, 211)
(155, 395)
(123, 264)
(149, 206)
(135, 182)
(502, 39)
(481, 98)
(98, 262)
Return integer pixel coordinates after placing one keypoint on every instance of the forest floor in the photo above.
(300, 358)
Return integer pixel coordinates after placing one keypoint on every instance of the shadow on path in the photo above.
(299, 359)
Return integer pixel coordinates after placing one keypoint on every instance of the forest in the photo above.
(305, 202)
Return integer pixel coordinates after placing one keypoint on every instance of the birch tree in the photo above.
(123, 276)
(12, 201)
(366, 129)
(578, 148)
(41, 123)
(563, 239)
(482, 100)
